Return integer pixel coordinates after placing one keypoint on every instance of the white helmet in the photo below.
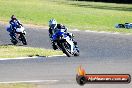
(52, 23)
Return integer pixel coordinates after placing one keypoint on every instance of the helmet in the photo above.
(52, 23)
(13, 17)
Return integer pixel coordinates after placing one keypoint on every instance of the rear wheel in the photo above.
(13, 38)
(14, 41)
(76, 52)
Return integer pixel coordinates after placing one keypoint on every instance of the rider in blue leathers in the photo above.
(14, 24)
(53, 26)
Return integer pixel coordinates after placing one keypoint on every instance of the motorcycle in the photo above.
(65, 43)
(18, 36)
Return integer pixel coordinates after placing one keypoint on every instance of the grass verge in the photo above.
(20, 51)
(75, 14)
(17, 86)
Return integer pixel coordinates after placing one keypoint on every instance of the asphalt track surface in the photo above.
(99, 53)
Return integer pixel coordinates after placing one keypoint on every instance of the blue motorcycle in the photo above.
(65, 43)
(18, 35)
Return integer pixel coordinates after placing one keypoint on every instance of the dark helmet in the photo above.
(13, 17)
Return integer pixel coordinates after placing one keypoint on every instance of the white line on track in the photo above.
(56, 55)
(31, 81)
(22, 58)
(18, 58)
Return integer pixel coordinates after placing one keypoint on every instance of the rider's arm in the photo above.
(60, 26)
(50, 32)
(10, 22)
(18, 21)
(12, 25)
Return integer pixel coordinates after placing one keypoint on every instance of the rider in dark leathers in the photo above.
(14, 24)
(53, 26)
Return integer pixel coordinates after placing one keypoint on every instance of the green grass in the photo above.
(17, 86)
(75, 14)
(20, 51)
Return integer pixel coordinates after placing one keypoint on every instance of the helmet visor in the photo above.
(53, 26)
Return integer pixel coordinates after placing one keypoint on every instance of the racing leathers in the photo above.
(14, 24)
(59, 27)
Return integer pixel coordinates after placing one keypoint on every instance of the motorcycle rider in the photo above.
(53, 27)
(14, 24)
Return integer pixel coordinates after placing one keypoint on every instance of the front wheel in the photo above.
(66, 49)
(23, 39)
